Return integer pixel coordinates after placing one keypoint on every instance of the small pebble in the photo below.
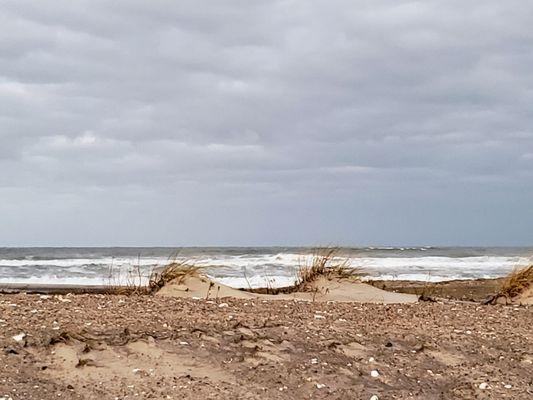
(374, 397)
(374, 373)
(483, 385)
(20, 337)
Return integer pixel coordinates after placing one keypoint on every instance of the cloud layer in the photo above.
(252, 122)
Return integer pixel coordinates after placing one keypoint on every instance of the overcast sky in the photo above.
(266, 122)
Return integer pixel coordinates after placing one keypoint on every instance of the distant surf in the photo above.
(253, 266)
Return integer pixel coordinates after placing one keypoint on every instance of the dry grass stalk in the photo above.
(131, 284)
(428, 291)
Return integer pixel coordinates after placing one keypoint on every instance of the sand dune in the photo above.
(322, 290)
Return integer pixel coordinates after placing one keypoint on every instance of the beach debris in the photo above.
(374, 373)
(319, 317)
(184, 343)
(507, 386)
(320, 385)
(371, 360)
(374, 397)
(63, 300)
(223, 305)
(483, 385)
(314, 360)
(19, 338)
(10, 350)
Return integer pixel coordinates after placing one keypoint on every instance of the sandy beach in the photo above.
(181, 346)
(255, 200)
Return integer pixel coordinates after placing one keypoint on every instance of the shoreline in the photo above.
(32, 288)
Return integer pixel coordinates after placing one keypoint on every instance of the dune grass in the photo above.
(516, 283)
(324, 263)
(175, 271)
(135, 282)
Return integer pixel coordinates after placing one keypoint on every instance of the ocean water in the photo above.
(253, 266)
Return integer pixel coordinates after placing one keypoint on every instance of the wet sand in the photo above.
(477, 290)
(155, 347)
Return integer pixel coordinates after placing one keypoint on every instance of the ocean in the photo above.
(242, 267)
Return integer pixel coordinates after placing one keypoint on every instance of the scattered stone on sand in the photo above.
(264, 347)
(19, 338)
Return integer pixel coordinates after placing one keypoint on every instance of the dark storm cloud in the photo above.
(159, 122)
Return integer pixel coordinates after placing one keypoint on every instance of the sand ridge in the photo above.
(323, 289)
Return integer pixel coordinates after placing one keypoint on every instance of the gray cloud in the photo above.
(248, 122)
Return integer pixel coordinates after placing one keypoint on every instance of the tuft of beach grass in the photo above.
(516, 283)
(324, 263)
(137, 283)
(175, 271)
